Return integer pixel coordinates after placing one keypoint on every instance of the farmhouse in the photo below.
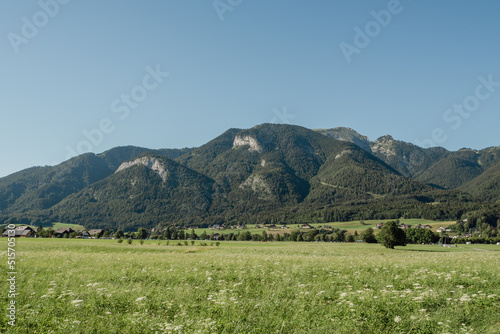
(96, 233)
(443, 229)
(306, 225)
(404, 226)
(64, 231)
(379, 226)
(20, 232)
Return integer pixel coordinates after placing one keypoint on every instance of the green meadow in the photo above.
(102, 286)
(358, 226)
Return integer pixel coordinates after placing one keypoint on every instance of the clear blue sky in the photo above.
(262, 58)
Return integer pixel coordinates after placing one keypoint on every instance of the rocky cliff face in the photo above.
(251, 142)
(151, 163)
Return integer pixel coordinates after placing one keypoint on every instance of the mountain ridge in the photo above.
(249, 174)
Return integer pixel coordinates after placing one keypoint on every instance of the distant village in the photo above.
(234, 232)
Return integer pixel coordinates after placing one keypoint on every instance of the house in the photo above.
(257, 226)
(215, 227)
(20, 232)
(379, 226)
(426, 226)
(306, 225)
(96, 233)
(328, 227)
(404, 226)
(272, 226)
(443, 229)
(64, 231)
(85, 235)
(284, 227)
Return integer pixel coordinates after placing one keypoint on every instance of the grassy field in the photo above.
(75, 227)
(101, 286)
(349, 226)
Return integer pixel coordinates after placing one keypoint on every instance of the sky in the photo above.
(87, 75)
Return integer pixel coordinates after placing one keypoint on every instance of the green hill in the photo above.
(487, 185)
(269, 173)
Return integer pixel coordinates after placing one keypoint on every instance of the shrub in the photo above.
(120, 240)
(129, 241)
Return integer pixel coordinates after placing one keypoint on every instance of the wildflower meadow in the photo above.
(102, 286)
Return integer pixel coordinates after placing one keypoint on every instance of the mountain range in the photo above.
(272, 172)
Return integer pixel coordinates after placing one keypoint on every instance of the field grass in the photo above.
(102, 286)
(349, 226)
(75, 227)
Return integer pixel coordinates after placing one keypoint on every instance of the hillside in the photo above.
(40, 188)
(436, 166)
(272, 172)
(486, 186)
(145, 191)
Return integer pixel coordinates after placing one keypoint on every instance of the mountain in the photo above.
(144, 191)
(436, 166)
(282, 163)
(40, 188)
(408, 159)
(272, 172)
(486, 186)
(349, 135)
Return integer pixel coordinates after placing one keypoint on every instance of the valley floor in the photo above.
(101, 286)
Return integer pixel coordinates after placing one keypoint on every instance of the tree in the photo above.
(368, 236)
(193, 235)
(142, 233)
(204, 236)
(119, 234)
(167, 234)
(391, 235)
(349, 238)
